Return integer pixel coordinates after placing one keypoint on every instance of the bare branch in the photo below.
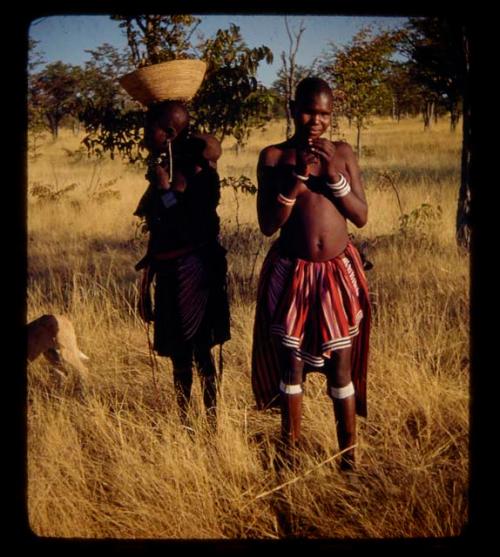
(141, 24)
(289, 68)
(190, 34)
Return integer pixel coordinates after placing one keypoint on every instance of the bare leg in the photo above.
(342, 393)
(183, 380)
(291, 397)
(345, 411)
(208, 378)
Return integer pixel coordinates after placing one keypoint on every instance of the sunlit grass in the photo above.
(118, 464)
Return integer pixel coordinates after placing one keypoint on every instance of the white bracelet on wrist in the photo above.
(340, 188)
(299, 176)
(285, 200)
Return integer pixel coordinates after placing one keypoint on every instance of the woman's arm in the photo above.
(277, 191)
(341, 162)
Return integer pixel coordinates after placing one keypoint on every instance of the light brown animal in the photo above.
(54, 337)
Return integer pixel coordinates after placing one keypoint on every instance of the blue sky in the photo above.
(66, 38)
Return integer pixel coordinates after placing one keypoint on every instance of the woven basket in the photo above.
(174, 80)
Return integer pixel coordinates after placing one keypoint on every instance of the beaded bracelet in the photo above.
(285, 200)
(340, 188)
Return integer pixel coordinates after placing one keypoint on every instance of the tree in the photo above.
(112, 120)
(53, 93)
(439, 51)
(100, 85)
(436, 64)
(36, 121)
(359, 72)
(289, 72)
(109, 115)
(281, 89)
(231, 101)
(35, 59)
(463, 220)
(158, 38)
(406, 96)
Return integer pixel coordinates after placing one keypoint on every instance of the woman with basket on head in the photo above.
(184, 257)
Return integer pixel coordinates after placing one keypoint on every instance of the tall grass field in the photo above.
(117, 463)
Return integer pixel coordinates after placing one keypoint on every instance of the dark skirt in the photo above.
(190, 300)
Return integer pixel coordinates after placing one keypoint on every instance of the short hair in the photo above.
(310, 86)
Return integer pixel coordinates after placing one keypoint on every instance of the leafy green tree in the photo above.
(36, 120)
(54, 93)
(99, 83)
(231, 101)
(433, 46)
(359, 72)
(109, 115)
(158, 38)
(406, 95)
(112, 120)
(439, 52)
(35, 59)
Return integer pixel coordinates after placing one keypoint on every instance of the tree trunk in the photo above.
(289, 95)
(358, 139)
(289, 70)
(53, 125)
(454, 118)
(289, 127)
(428, 112)
(463, 221)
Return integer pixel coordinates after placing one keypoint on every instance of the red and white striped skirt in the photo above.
(315, 308)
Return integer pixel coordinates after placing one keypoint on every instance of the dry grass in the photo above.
(117, 463)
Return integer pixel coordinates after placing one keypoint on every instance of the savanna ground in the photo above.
(117, 464)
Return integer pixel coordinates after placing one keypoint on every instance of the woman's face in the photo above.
(165, 127)
(312, 115)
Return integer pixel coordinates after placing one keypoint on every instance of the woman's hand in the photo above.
(325, 150)
(162, 178)
(304, 160)
(179, 181)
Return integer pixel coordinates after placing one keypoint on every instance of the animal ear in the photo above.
(53, 356)
(82, 356)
